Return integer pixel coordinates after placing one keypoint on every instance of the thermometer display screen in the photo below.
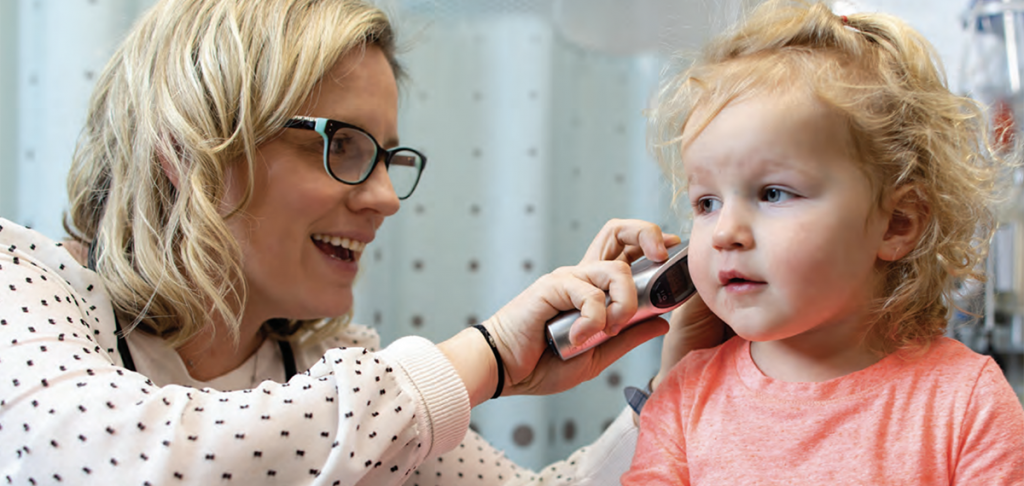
(673, 286)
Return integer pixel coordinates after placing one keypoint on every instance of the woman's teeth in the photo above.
(346, 243)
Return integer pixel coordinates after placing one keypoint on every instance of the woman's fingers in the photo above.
(633, 336)
(552, 375)
(603, 292)
(627, 240)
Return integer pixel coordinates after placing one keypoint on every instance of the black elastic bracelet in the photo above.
(497, 358)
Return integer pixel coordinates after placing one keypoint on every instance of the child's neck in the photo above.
(814, 356)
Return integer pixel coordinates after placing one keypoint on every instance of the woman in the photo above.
(237, 159)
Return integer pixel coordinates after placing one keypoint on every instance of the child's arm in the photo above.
(992, 437)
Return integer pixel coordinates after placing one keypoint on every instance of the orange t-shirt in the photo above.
(946, 417)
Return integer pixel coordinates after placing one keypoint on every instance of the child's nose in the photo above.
(732, 229)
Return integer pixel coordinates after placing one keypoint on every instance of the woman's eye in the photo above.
(339, 144)
(776, 195)
(707, 205)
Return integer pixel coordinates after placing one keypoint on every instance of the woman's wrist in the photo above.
(471, 356)
(655, 380)
(500, 371)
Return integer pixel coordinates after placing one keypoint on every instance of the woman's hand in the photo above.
(692, 326)
(518, 328)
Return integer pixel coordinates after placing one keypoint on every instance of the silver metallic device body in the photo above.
(660, 288)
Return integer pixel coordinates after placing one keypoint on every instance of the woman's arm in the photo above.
(70, 413)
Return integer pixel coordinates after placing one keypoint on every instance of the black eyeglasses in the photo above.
(351, 154)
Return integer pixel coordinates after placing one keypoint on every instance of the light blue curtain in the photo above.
(52, 53)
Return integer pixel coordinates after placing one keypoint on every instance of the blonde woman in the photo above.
(238, 158)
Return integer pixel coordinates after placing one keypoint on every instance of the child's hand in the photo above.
(692, 326)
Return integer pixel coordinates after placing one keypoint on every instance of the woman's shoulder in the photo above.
(22, 244)
(42, 280)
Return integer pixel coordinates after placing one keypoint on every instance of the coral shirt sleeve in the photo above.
(992, 434)
(71, 414)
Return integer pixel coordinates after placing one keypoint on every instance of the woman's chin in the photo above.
(335, 305)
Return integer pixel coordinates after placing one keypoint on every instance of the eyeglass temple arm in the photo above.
(301, 122)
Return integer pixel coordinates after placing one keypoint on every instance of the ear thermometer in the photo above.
(660, 288)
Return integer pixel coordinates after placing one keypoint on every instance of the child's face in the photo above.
(785, 232)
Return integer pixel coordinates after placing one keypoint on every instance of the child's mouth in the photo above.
(742, 286)
(734, 280)
(343, 249)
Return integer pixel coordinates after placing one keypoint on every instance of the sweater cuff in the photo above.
(612, 453)
(441, 392)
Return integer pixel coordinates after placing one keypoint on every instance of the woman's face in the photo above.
(303, 233)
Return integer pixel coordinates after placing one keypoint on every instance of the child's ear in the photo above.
(908, 213)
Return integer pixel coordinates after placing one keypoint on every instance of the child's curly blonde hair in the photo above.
(905, 125)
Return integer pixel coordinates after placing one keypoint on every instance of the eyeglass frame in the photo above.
(327, 127)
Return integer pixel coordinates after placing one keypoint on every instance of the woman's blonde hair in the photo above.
(197, 85)
(905, 126)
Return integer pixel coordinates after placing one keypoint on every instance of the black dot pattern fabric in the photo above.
(71, 414)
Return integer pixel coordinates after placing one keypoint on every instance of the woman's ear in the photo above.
(169, 170)
(908, 214)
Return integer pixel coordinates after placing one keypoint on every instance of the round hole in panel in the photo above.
(523, 435)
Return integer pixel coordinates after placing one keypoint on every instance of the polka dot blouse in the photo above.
(70, 413)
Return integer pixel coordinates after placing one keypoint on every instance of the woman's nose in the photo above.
(732, 228)
(376, 193)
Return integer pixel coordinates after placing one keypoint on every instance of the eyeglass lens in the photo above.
(351, 156)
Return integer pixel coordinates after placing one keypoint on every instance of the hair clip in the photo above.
(844, 19)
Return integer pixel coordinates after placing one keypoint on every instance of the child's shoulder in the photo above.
(948, 364)
(699, 361)
(949, 356)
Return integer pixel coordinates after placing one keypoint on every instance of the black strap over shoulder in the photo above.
(289, 359)
(122, 342)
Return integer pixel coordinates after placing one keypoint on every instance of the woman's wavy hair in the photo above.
(906, 127)
(198, 85)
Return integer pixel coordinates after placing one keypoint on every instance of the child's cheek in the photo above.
(704, 277)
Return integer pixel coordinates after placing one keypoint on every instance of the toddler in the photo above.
(838, 189)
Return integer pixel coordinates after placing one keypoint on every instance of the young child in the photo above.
(838, 188)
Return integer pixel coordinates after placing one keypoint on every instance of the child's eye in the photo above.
(706, 205)
(776, 195)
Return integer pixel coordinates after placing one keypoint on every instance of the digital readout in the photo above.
(672, 287)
